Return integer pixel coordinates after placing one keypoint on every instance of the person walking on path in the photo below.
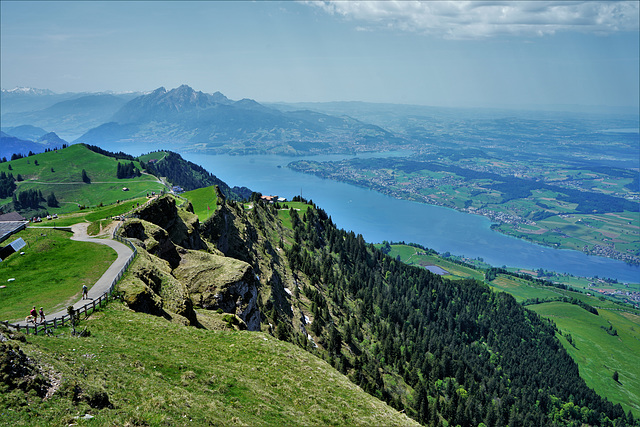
(34, 314)
(41, 315)
(85, 292)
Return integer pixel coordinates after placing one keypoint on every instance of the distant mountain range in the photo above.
(187, 119)
(192, 119)
(69, 115)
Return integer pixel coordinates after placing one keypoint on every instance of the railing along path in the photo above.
(91, 306)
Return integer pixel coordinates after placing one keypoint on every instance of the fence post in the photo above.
(102, 298)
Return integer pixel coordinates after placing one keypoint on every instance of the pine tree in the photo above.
(52, 201)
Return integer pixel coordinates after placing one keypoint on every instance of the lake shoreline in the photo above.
(380, 217)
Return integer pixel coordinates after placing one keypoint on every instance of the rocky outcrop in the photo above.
(152, 238)
(181, 225)
(174, 273)
(231, 233)
(153, 289)
(217, 282)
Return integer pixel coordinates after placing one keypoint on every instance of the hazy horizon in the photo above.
(448, 54)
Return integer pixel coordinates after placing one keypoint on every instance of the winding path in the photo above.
(102, 285)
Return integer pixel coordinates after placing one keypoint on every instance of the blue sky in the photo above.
(430, 53)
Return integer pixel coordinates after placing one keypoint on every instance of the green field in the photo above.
(598, 353)
(158, 155)
(204, 201)
(51, 272)
(154, 373)
(523, 289)
(284, 214)
(60, 172)
(415, 256)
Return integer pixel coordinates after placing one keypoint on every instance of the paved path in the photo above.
(102, 285)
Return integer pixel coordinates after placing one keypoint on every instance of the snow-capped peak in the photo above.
(28, 91)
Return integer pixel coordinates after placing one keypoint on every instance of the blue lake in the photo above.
(379, 217)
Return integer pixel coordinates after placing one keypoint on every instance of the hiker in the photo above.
(34, 315)
(41, 315)
(85, 292)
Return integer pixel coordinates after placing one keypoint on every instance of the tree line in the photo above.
(468, 354)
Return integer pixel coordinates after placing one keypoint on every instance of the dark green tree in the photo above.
(52, 201)
(85, 177)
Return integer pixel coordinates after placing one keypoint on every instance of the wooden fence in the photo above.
(89, 307)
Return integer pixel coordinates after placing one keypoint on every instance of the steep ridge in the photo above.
(439, 350)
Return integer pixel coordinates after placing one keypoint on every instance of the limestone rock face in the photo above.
(181, 225)
(231, 234)
(220, 282)
(154, 239)
(174, 273)
(152, 289)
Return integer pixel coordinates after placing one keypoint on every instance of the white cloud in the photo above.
(479, 19)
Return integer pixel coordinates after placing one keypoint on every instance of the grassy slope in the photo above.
(204, 201)
(415, 256)
(284, 215)
(158, 155)
(65, 180)
(159, 373)
(39, 278)
(599, 354)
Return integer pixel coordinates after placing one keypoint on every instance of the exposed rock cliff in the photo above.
(178, 270)
(217, 282)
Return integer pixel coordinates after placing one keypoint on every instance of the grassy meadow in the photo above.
(154, 372)
(284, 214)
(203, 200)
(415, 256)
(599, 353)
(60, 172)
(51, 272)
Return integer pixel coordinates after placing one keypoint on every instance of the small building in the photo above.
(268, 199)
(11, 223)
(12, 216)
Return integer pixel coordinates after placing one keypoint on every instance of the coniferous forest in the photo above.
(470, 355)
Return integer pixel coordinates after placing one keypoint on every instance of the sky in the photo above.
(441, 53)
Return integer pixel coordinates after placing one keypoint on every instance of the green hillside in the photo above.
(203, 200)
(597, 353)
(60, 172)
(137, 369)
